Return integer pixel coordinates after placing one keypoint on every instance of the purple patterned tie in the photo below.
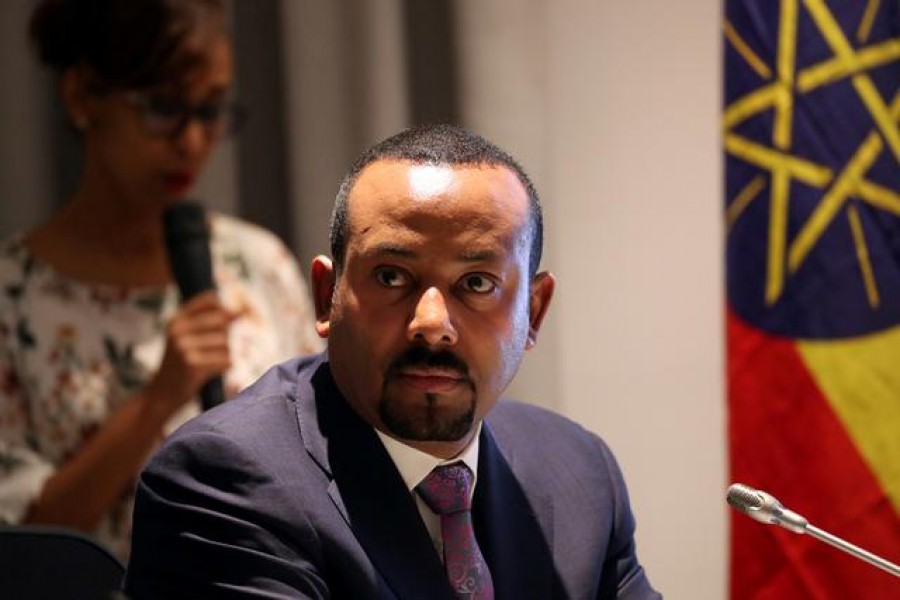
(447, 492)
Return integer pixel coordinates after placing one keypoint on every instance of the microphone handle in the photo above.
(212, 393)
(872, 559)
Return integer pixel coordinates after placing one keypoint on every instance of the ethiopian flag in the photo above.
(812, 192)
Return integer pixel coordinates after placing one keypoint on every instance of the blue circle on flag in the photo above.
(848, 281)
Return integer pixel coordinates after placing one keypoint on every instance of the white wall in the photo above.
(614, 108)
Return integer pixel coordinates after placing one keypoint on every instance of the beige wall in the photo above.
(613, 106)
(640, 251)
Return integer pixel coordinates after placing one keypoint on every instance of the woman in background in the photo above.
(98, 360)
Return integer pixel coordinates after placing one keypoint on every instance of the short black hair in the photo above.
(435, 144)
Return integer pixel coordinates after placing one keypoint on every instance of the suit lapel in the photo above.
(369, 491)
(507, 528)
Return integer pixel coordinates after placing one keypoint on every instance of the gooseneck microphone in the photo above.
(186, 233)
(765, 508)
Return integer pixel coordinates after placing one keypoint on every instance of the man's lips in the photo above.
(431, 379)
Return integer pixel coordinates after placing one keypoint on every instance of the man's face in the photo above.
(430, 316)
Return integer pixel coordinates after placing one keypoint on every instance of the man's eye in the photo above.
(391, 278)
(480, 284)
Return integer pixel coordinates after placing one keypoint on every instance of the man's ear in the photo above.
(542, 287)
(322, 276)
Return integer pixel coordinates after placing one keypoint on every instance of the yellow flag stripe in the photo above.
(778, 211)
(862, 255)
(808, 172)
(743, 200)
(829, 27)
(833, 69)
(878, 196)
(744, 49)
(784, 103)
(849, 182)
(749, 105)
(831, 30)
(865, 24)
(833, 199)
(873, 101)
(861, 381)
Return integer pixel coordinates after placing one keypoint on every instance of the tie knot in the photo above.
(447, 489)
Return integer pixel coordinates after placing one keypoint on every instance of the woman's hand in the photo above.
(196, 350)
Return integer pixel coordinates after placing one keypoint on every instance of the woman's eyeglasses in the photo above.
(163, 117)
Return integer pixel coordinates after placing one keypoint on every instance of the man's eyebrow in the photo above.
(475, 256)
(388, 249)
(394, 250)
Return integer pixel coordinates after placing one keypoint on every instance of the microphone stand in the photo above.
(853, 550)
(765, 508)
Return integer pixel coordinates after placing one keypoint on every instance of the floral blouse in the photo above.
(71, 353)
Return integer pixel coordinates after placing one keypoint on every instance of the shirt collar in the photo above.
(414, 465)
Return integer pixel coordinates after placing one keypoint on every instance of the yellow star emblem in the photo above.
(785, 257)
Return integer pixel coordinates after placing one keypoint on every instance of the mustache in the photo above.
(419, 356)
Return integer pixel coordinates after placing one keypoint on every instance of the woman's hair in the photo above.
(129, 44)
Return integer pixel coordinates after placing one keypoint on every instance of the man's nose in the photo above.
(431, 321)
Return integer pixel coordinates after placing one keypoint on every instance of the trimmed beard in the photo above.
(431, 428)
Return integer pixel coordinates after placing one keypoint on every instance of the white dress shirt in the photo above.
(415, 465)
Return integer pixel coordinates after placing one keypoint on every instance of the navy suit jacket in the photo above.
(285, 492)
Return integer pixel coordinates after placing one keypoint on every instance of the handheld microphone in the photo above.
(187, 243)
(765, 508)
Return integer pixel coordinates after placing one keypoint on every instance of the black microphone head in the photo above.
(186, 233)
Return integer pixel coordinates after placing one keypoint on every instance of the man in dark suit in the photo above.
(387, 468)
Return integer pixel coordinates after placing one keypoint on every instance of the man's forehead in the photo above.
(479, 206)
(404, 184)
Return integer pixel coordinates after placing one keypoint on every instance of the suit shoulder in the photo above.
(535, 438)
(259, 411)
(520, 419)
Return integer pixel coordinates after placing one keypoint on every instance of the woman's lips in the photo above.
(178, 183)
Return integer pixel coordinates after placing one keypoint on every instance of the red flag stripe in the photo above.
(785, 438)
